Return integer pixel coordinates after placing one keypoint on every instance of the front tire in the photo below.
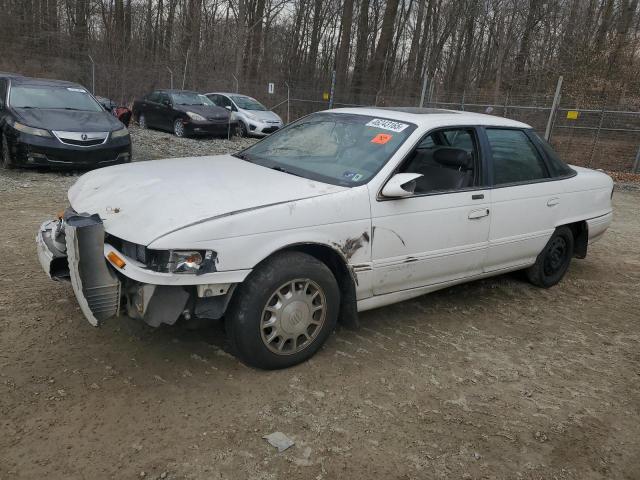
(553, 262)
(5, 154)
(283, 312)
(241, 130)
(178, 128)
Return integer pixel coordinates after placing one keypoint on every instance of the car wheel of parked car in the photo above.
(241, 130)
(283, 312)
(142, 121)
(6, 154)
(178, 127)
(554, 260)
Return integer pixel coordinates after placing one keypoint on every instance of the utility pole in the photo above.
(554, 107)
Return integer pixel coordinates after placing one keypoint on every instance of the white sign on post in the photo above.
(271, 88)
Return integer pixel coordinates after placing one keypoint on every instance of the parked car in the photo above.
(253, 118)
(342, 211)
(182, 112)
(57, 124)
(121, 112)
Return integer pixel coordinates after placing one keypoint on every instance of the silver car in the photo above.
(254, 119)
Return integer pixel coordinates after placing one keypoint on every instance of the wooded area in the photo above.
(377, 47)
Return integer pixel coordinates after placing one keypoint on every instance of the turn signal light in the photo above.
(116, 260)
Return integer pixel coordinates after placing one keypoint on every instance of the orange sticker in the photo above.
(381, 138)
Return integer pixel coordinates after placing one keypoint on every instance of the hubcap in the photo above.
(293, 316)
(556, 256)
(178, 128)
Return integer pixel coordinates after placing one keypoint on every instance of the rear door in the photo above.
(439, 234)
(525, 202)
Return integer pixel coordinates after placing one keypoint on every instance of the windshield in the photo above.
(337, 148)
(248, 103)
(68, 98)
(190, 98)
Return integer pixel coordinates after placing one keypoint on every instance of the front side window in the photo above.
(337, 148)
(447, 160)
(190, 98)
(47, 97)
(515, 159)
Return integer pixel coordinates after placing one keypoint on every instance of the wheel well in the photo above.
(346, 281)
(580, 232)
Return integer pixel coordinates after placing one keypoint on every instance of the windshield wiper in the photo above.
(280, 169)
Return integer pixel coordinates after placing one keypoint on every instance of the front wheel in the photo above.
(5, 152)
(283, 312)
(553, 262)
(241, 129)
(142, 121)
(178, 127)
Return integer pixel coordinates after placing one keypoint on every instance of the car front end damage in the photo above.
(110, 276)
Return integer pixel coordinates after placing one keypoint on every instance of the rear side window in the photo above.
(3, 90)
(556, 165)
(515, 158)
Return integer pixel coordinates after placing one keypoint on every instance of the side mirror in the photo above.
(228, 107)
(401, 185)
(166, 103)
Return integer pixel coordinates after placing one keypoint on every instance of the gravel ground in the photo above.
(493, 379)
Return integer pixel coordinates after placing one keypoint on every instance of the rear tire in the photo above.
(5, 154)
(554, 260)
(283, 312)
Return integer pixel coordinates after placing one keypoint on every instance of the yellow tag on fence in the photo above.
(573, 115)
(325, 95)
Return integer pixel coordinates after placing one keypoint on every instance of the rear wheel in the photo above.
(553, 262)
(5, 154)
(142, 121)
(178, 127)
(283, 312)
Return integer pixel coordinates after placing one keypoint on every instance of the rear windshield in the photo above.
(64, 98)
(337, 148)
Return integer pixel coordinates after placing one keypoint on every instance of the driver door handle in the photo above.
(480, 213)
(553, 202)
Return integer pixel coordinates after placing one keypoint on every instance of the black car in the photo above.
(57, 124)
(183, 113)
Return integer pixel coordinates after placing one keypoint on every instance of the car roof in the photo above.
(44, 82)
(229, 94)
(175, 90)
(9, 75)
(432, 117)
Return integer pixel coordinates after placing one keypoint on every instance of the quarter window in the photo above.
(515, 159)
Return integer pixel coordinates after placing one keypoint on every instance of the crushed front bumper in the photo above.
(76, 253)
(73, 248)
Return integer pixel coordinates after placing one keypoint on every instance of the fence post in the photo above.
(597, 137)
(424, 89)
(333, 88)
(235, 79)
(636, 163)
(288, 101)
(554, 106)
(93, 75)
(171, 76)
(506, 102)
(464, 92)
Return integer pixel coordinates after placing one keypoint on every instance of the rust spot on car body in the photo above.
(352, 245)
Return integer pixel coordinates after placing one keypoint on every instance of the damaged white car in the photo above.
(340, 212)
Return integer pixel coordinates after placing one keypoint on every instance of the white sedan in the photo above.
(340, 212)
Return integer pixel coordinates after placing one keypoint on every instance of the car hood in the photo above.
(262, 115)
(204, 110)
(68, 120)
(142, 202)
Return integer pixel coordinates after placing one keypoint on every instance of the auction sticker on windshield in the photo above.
(387, 125)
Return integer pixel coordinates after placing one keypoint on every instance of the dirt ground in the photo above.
(493, 379)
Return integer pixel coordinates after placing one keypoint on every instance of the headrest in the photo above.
(453, 158)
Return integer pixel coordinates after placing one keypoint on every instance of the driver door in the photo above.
(440, 233)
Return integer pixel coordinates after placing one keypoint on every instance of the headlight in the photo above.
(184, 262)
(30, 130)
(123, 132)
(196, 117)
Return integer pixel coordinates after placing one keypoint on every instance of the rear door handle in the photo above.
(552, 202)
(480, 213)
